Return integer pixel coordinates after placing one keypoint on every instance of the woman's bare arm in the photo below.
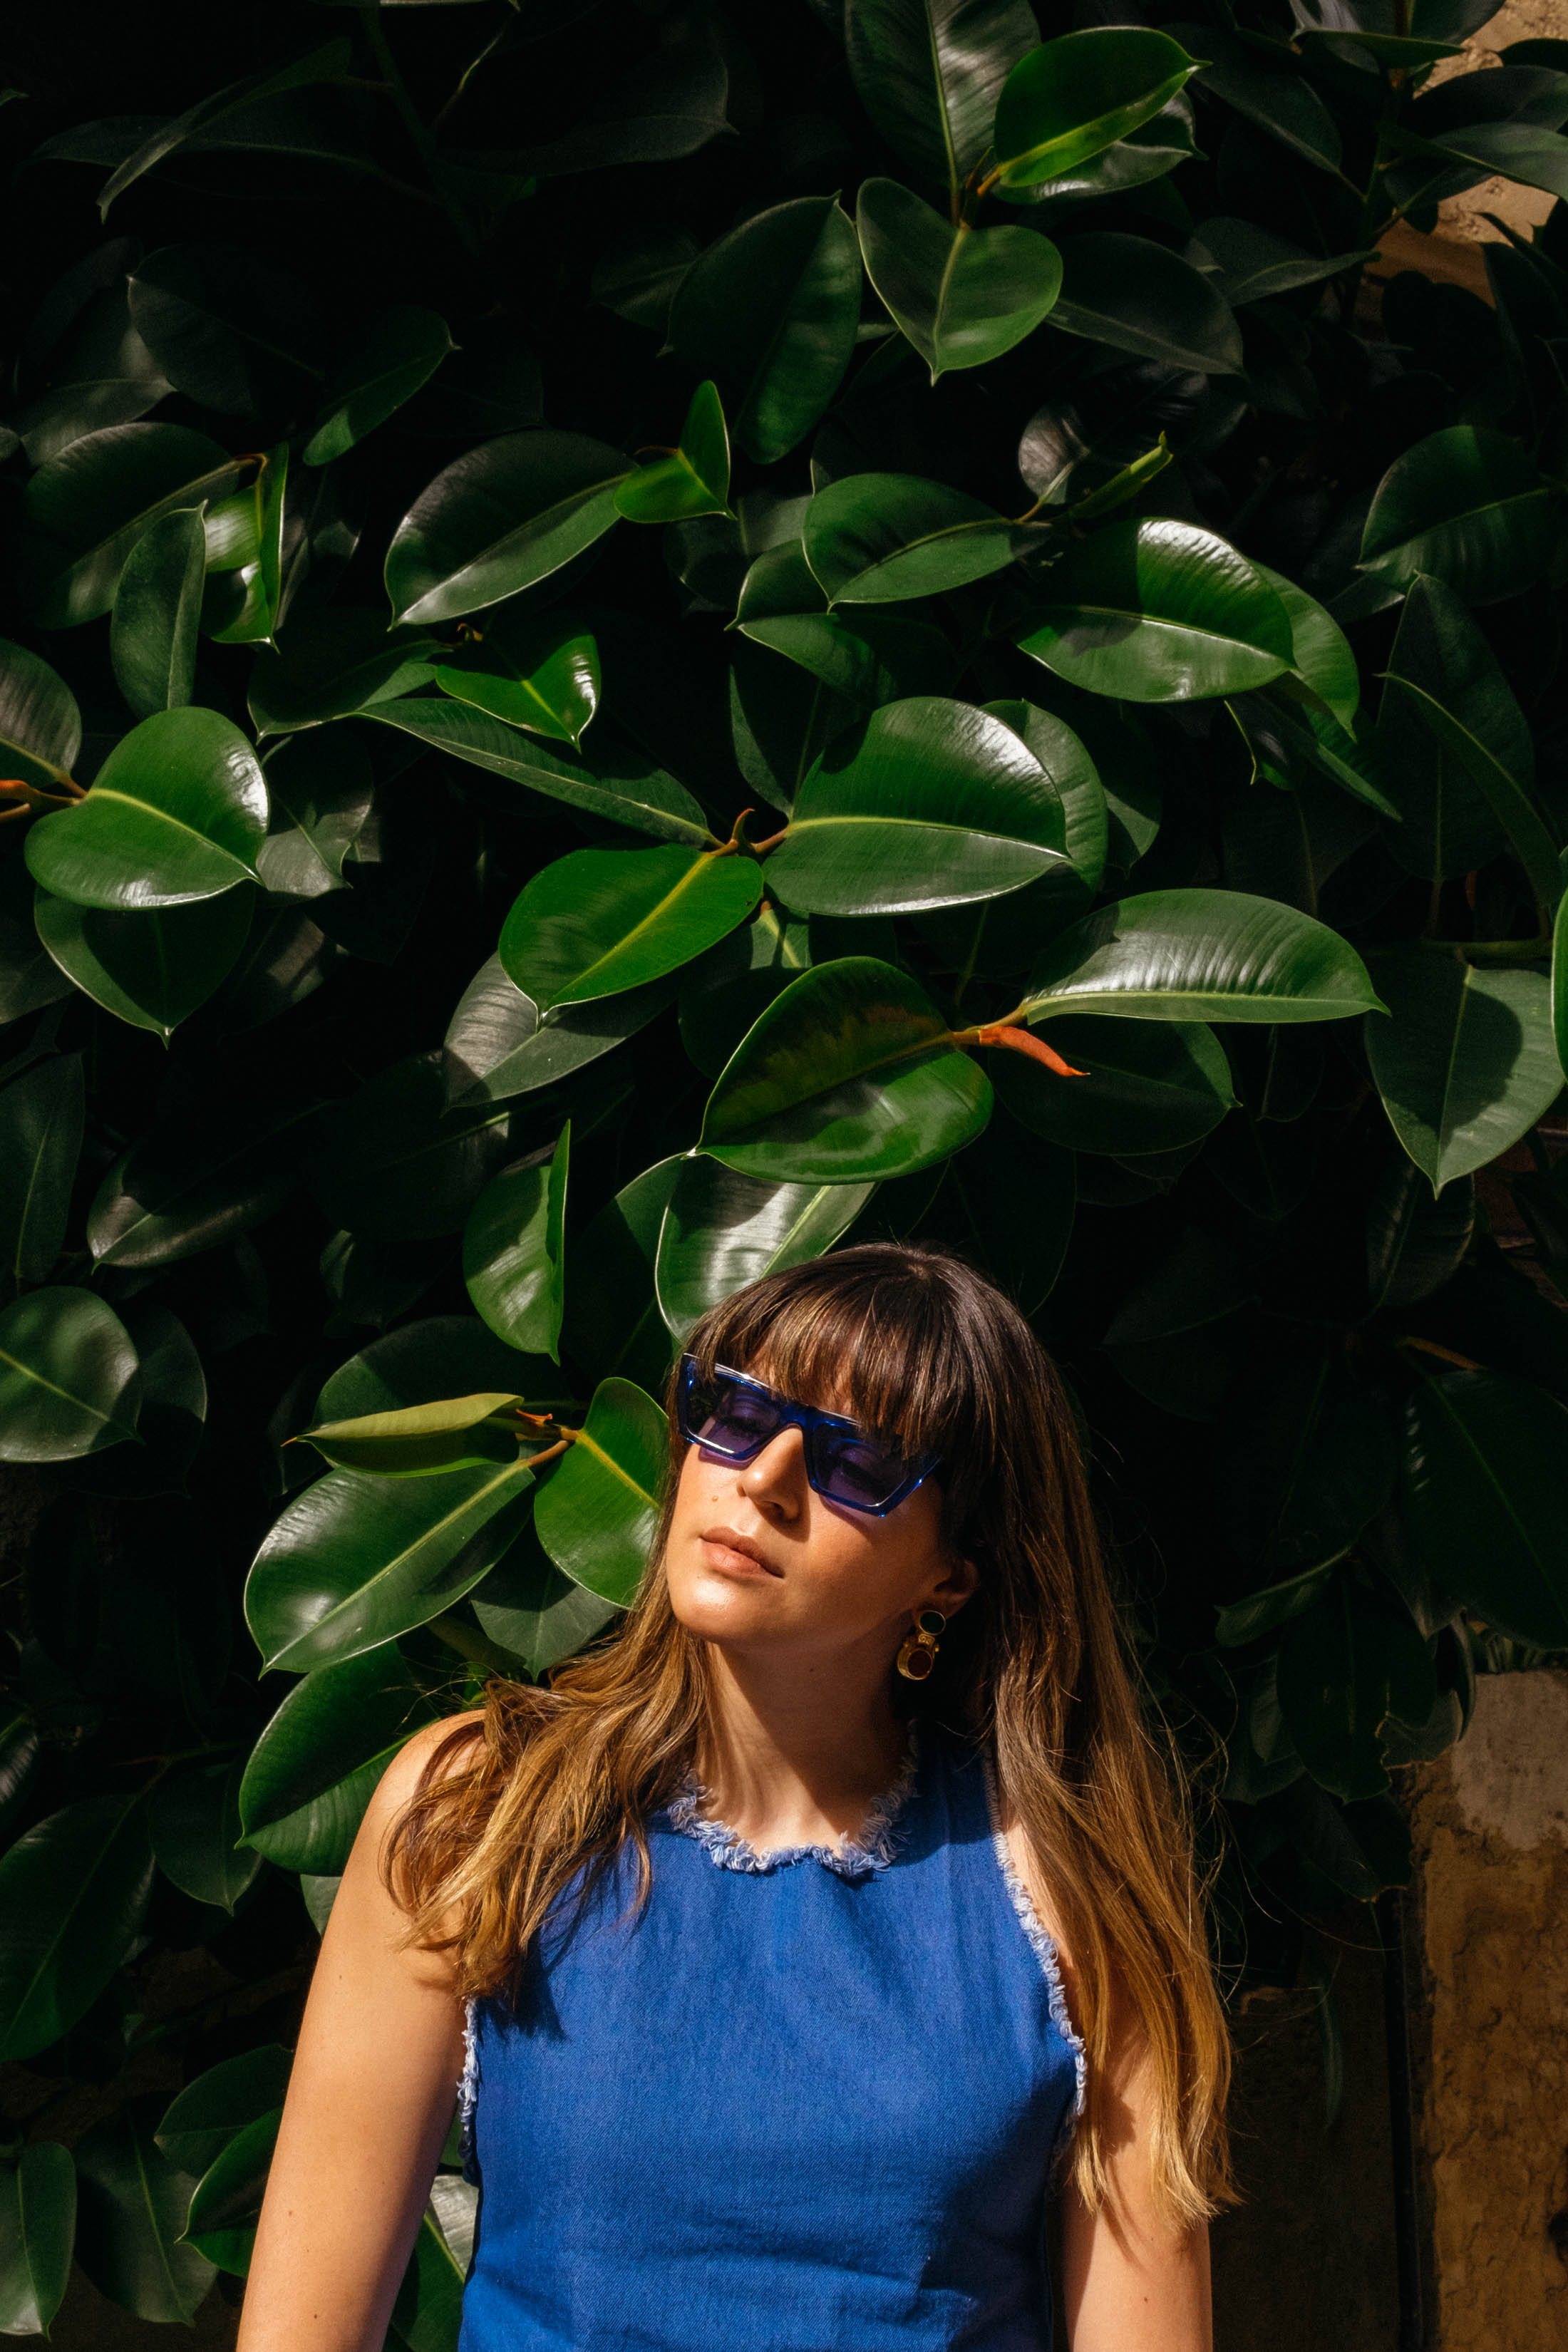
(1129, 2282)
(369, 2101)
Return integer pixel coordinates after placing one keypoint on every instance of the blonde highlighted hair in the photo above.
(557, 1781)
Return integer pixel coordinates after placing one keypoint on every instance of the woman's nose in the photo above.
(775, 1478)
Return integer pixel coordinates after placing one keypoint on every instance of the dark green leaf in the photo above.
(157, 609)
(1078, 94)
(37, 2233)
(68, 1380)
(930, 72)
(85, 511)
(204, 123)
(1265, 1611)
(1414, 1239)
(613, 1323)
(1252, 264)
(72, 1892)
(40, 725)
(771, 311)
(1158, 611)
(199, 2124)
(170, 1420)
(596, 1515)
(927, 804)
(316, 1764)
(194, 1182)
(395, 1163)
(177, 811)
(194, 1817)
(503, 516)
(670, 104)
(1486, 1498)
(132, 2208)
(355, 1560)
(1467, 1064)
(152, 969)
(41, 1115)
(1306, 1461)
(1467, 505)
(1179, 1336)
(876, 538)
(695, 479)
(446, 1356)
(723, 993)
(498, 1046)
(1346, 1665)
(962, 295)
(233, 330)
(527, 1606)
(1201, 955)
(333, 664)
(849, 1074)
(226, 2202)
(722, 1230)
(602, 920)
(514, 1252)
(1137, 296)
(392, 356)
(866, 655)
(545, 678)
(1149, 1085)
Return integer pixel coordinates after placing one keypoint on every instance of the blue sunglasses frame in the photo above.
(809, 1419)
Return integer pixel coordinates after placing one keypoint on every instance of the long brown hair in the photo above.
(1034, 1670)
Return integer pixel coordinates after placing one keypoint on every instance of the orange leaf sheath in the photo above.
(1024, 1040)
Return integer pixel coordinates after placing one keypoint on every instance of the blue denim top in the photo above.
(803, 2100)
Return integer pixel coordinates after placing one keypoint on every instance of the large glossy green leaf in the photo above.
(849, 1074)
(694, 479)
(38, 2234)
(1138, 296)
(203, 2118)
(420, 1363)
(722, 1230)
(333, 663)
(500, 517)
(68, 1380)
(177, 811)
(72, 1892)
(355, 1560)
(1347, 1663)
(771, 311)
(926, 803)
(40, 725)
(194, 1817)
(670, 102)
(621, 782)
(877, 538)
(1467, 1064)
(41, 1116)
(316, 1764)
(226, 2202)
(1320, 655)
(1201, 955)
(1158, 611)
(612, 1324)
(132, 2211)
(204, 123)
(528, 1607)
(601, 921)
(930, 72)
(1415, 1240)
(1467, 505)
(390, 358)
(1252, 264)
(194, 1182)
(497, 1045)
(514, 1252)
(1078, 94)
(860, 652)
(597, 1515)
(157, 610)
(1443, 668)
(85, 511)
(1148, 1086)
(543, 677)
(233, 330)
(1305, 1462)
(1271, 92)
(420, 1440)
(962, 295)
(723, 993)
(153, 968)
(1486, 1498)
(172, 1416)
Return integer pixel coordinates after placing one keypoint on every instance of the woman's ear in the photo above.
(959, 1582)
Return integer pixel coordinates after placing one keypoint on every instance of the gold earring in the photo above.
(917, 1657)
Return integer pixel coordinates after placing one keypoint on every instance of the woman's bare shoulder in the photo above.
(401, 1781)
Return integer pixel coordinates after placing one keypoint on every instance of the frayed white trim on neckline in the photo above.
(1045, 1949)
(856, 1857)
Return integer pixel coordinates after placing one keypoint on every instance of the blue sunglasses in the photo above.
(731, 1414)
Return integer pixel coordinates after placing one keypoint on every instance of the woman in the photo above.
(815, 1930)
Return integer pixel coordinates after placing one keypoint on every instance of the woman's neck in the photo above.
(798, 1759)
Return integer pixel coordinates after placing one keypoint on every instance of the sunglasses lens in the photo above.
(856, 1471)
(727, 1417)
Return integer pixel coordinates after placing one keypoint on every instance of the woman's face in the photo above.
(757, 1559)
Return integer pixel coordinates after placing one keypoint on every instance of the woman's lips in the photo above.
(734, 1555)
